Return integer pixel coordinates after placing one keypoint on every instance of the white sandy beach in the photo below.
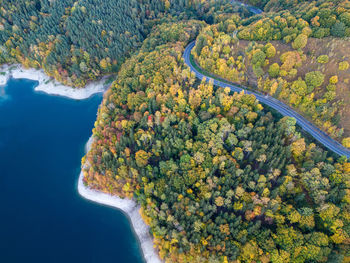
(49, 85)
(130, 208)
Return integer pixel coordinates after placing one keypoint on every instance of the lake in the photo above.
(43, 218)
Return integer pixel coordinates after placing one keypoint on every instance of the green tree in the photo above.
(314, 78)
(270, 50)
(338, 30)
(274, 70)
(258, 57)
(300, 42)
(345, 18)
(299, 87)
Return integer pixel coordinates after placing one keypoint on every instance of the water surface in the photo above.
(42, 216)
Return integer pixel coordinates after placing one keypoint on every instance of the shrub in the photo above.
(274, 70)
(343, 65)
(314, 78)
(300, 41)
(323, 59)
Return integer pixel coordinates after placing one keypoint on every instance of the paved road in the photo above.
(252, 9)
(319, 135)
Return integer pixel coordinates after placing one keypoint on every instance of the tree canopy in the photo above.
(218, 177)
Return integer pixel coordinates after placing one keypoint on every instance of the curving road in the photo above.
(252, 9)
(285, 110)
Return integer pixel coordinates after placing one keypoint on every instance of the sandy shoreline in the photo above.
(130, 207)
(48, 84)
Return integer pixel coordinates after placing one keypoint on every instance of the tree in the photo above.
(346, 142)
(258, 71)
(345, 18)
(270, 50)
(104, 64)
(299, 87)
(141, 158)
(314, 78)
(250, 252)
(321, 32)
(83, 67)
(274, 70)
(300, 42)
(290, 59)
(338, 30)
(258, 57)
(219, 201)
(200, 43)
(298, 148)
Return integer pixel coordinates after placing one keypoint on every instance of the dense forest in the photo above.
(286, 57)
(219, 178)
(75, 42)
(324, 17)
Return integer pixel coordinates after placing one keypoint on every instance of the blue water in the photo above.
(42, 216)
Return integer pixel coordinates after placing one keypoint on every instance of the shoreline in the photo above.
(50, 85)
(129, 207)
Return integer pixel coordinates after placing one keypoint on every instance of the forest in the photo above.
(285, 57)
(324, 17)
(75, 42)
(219, 177)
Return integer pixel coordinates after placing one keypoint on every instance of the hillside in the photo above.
(219, 178)
(71, 40)
(309, 74)
(75, 42)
